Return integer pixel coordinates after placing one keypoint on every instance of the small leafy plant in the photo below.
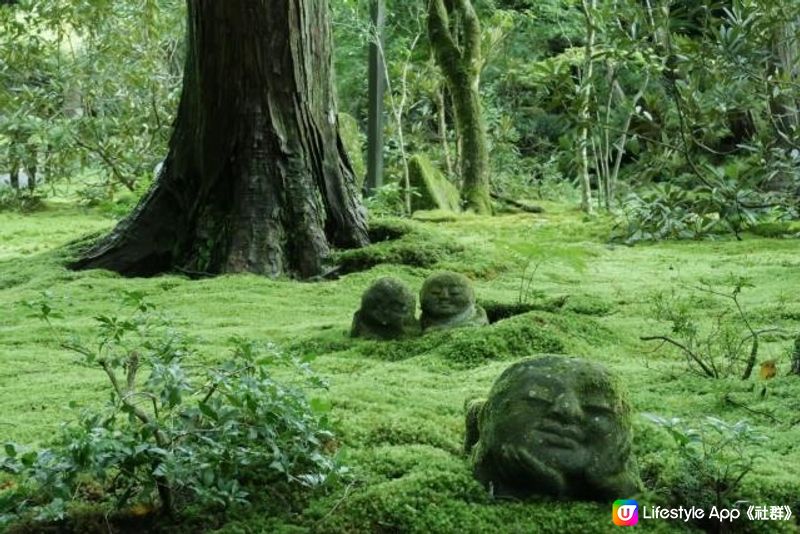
(174, 431)
(714, 458)
(728, 347)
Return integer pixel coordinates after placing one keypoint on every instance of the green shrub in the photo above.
(713, 459)
(671, 212)
(186, 435)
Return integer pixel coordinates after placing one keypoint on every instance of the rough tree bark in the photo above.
(461, 66)
(256, 178)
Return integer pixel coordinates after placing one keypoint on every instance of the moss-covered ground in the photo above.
(399, 406)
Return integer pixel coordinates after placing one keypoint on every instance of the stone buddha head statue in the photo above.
(387, 311)
(448, 301)
(555, 426)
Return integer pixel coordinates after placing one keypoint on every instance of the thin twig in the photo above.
(727, 398)
(685, 349)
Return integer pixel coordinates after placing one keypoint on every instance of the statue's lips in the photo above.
(559, 435)
(443, 309)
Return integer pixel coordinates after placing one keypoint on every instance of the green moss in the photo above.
(412, 431)
(587, 305)
(436, 216)
(389, 228)
(506, 340)
(510, 339)
(415, 246)
(580, 304)
(404, 477)
(433, 191)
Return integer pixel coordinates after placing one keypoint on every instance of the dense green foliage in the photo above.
(177, 435)
(691, 113)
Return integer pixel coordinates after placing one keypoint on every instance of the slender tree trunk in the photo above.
(13, 177)
(377, 89)
(32, 178)
(585, 92)
(461, 65)
(256, 178)
(442, 116)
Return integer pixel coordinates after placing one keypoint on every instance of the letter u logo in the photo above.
(625, 512)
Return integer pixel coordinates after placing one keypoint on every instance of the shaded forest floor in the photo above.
(398, 406)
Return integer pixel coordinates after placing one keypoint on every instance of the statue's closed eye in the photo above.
(540, 396)
(598, 407)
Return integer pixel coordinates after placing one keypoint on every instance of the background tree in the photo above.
(455, 35)
(256, 178)
(585, 98)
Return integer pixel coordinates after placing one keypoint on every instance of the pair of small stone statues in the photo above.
(551, 425)
(388, 307)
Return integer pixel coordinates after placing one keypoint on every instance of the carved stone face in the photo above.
(388, 302)
(557, 426)
(446, 295)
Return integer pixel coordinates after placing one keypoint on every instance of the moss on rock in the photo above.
(387, 311)
(433, 190)
(555, 426)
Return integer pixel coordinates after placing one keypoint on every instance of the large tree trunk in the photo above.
(256, 178)
(461, 65)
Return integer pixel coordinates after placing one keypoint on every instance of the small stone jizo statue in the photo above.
(448, 301)
(554, 426)
(387, 311)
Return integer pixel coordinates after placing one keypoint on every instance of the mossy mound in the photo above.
(420, 489)
(518, 337)
(389, 228)
(433, 190)
(580, 304)
(506, 340)
(412, 431)
(498, 311)
(438, 216)
(587, 305)
(413, 246)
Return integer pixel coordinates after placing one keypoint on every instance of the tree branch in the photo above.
(689, 352)
(444, 46)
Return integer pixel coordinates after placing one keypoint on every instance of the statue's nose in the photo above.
(567, 406)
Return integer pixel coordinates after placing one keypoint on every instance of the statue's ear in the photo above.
(473, 432)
